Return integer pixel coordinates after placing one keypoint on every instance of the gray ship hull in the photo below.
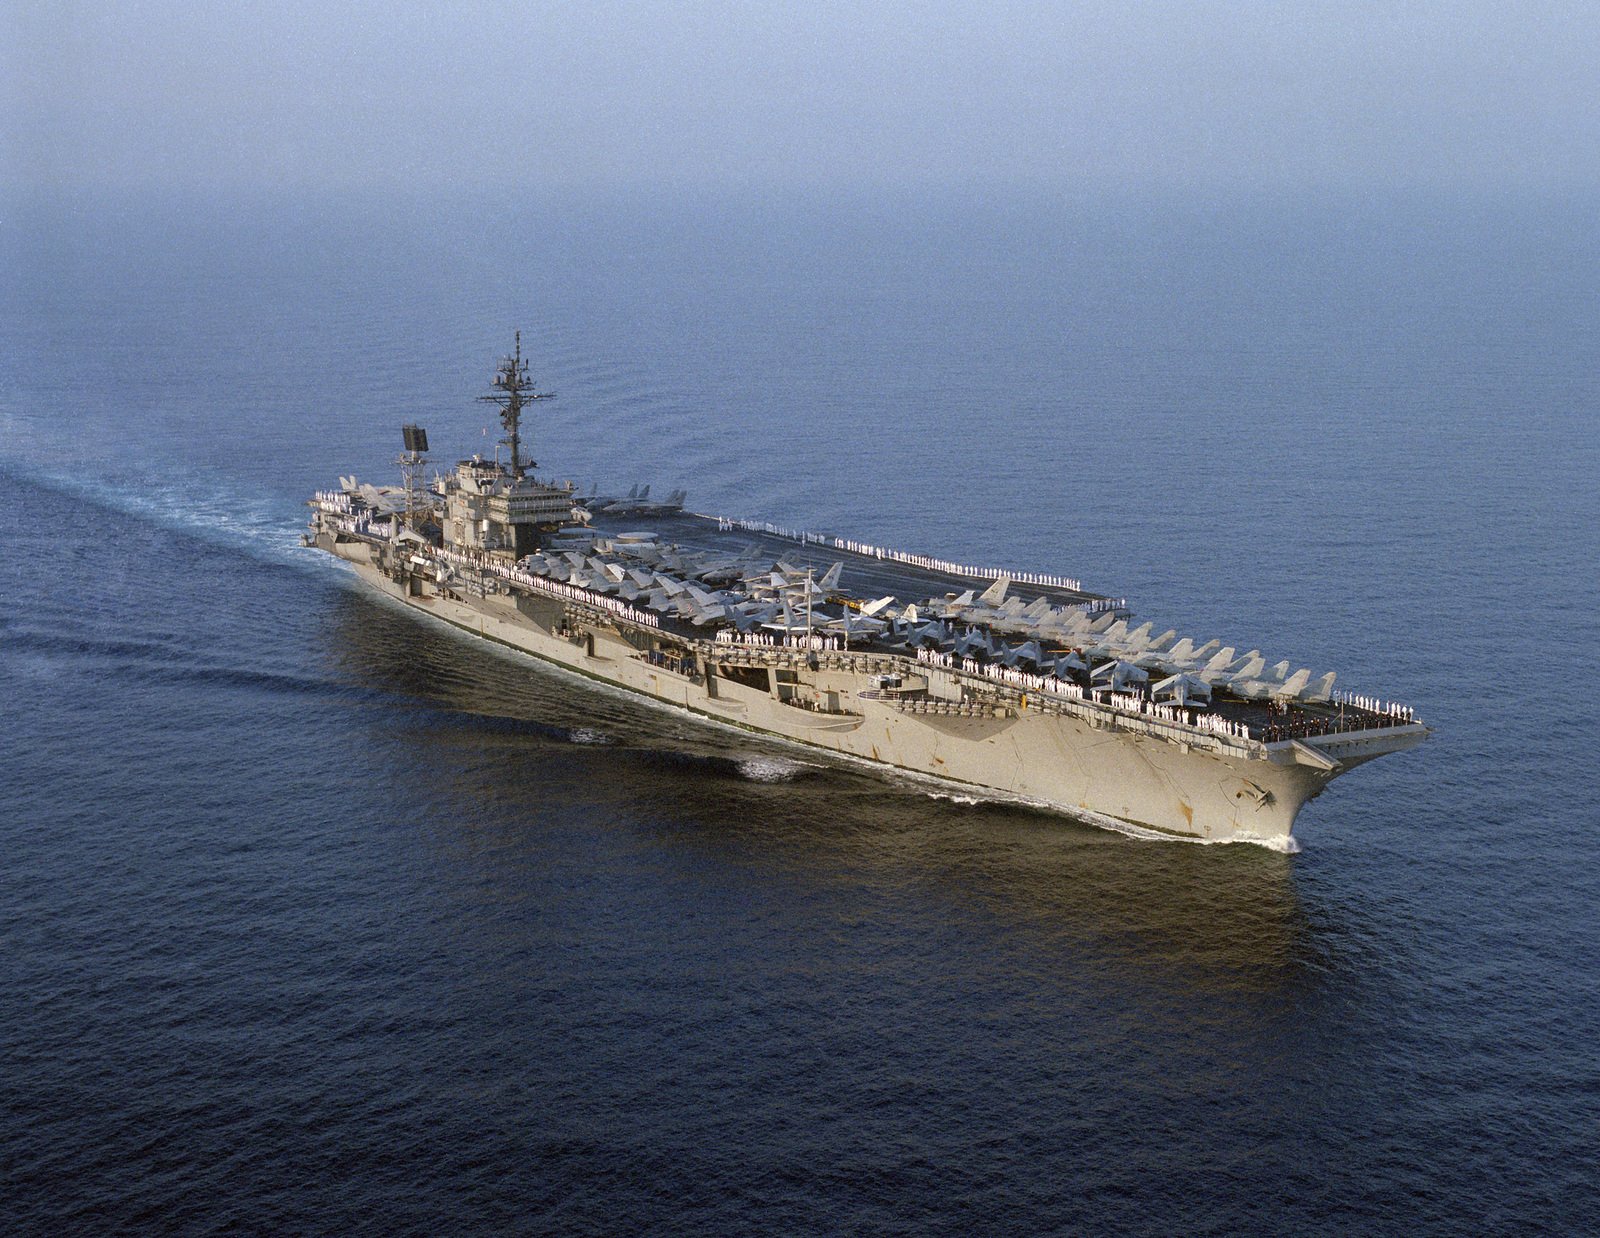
(1079, 760)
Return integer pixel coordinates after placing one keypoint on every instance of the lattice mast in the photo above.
(411, 463)
(513, 390)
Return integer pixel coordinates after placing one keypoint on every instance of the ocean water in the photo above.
(317, 918)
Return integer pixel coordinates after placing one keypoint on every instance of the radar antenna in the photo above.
(513, 389)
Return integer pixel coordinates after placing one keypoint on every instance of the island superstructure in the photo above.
(1018, 685)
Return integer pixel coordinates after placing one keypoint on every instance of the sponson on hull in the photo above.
(1020, 685)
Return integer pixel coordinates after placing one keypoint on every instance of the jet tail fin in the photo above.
(1322, 690)
(995, 593)
(1294, 684)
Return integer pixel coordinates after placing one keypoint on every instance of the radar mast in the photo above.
(411, 461)
(512, 390)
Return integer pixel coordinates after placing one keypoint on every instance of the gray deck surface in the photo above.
(864, 576)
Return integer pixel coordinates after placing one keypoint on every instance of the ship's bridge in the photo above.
(489, 508)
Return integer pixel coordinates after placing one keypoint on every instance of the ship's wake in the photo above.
(264, 526)
(771, 769)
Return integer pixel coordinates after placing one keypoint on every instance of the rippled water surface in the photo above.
(317, 917)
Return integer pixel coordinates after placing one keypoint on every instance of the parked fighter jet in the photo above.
(639, 503)
(852, 626)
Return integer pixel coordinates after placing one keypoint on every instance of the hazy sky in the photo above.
(1093, 95)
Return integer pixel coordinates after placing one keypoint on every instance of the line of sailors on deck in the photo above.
(793, 640)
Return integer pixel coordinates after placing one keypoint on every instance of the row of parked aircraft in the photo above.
(637, 502)
(1133, 651)
(750, 591)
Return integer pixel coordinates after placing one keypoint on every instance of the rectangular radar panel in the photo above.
(416, 439)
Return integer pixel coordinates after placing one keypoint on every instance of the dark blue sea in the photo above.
(315, 918)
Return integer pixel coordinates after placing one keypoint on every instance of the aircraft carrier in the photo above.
(1014, 685)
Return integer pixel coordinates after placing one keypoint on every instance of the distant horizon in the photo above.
(513, 197)
(1087, 100)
